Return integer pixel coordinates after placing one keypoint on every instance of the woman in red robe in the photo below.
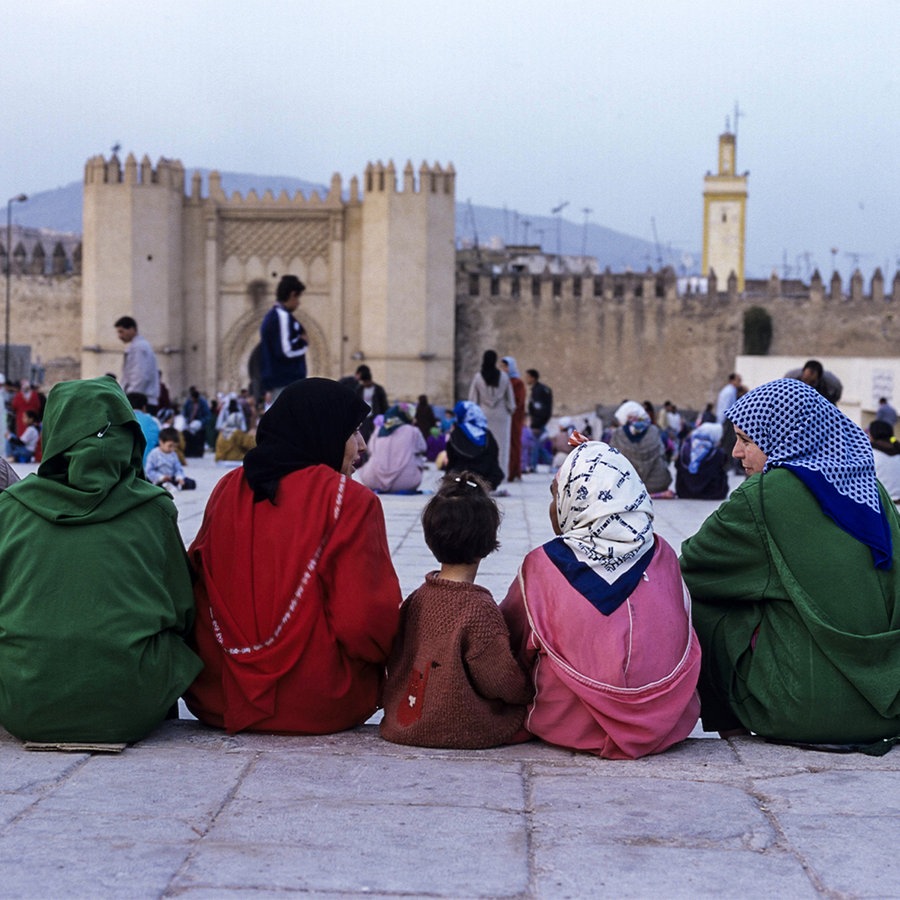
(508, 364)
(297, 598)
(26, 399)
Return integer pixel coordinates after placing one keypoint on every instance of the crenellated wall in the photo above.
(132, 260)
(594, 340)
(30, 255)
(406, 285)
(386, 286)
(44, 327)
(199, 272)
(600, 340)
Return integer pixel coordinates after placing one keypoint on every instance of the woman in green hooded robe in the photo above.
(95, 590)
(795, 581)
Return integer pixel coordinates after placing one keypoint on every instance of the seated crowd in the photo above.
(285, 615)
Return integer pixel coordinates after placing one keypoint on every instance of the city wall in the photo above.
(198, 272)
(599, 340)
(45, 327)
(595, 339)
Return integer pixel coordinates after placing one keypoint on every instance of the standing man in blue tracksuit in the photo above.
(282, 340)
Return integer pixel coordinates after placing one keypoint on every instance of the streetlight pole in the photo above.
(20, 198)
(556, 212)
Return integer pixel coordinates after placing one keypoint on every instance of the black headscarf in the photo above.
(307, 425)
(489, 371)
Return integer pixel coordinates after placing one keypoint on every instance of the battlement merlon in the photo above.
(380, 178)
(168, 173)
(332, 200)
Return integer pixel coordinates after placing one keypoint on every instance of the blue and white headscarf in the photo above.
(798, 429)
(472, 421)
(512, 367)
(396, 416)
(702, 441)
(634, 419)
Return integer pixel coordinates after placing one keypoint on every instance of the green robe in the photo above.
(95, 590)
(825, 666)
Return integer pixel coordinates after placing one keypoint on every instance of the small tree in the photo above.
(757, 331)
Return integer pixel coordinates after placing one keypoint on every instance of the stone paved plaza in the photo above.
(194, 812)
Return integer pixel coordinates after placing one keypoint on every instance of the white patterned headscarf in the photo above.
(604, 511)
(798, 429)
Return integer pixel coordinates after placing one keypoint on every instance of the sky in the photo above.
(612, 108)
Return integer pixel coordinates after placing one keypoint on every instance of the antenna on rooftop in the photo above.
(587, 213)
(856, 257)
(556, 212)
(470, 220)
(659, 258)
(737, 114)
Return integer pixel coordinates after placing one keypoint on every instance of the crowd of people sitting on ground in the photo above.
(781, 617)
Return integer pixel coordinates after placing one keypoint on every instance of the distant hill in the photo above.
(611, 248)
(59, 210)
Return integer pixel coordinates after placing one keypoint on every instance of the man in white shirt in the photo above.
(140, 371)
(727, 396)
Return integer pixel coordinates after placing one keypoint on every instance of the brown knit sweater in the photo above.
(452, 679)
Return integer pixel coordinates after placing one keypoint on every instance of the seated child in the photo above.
(24, 446)
(452, 679)
(601, 618)
(163, 465)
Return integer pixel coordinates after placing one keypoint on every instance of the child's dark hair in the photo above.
(168, 434)
(461, 520)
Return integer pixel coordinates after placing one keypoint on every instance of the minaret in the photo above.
(725, 215)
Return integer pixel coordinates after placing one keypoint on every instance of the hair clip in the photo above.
(471, 484)
(104, 430)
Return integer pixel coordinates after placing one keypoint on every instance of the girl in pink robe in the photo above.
(601, 618)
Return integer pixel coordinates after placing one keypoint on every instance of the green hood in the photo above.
(93, 449)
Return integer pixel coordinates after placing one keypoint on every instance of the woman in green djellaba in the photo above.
(95, 590)
(795, 581)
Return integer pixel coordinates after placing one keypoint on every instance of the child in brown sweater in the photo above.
(452, 679)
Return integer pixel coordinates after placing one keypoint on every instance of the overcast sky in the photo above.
(615, 107)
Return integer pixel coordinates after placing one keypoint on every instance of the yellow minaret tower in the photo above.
(725, 215)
